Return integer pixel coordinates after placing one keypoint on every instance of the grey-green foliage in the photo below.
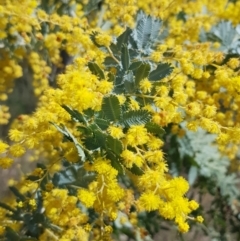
(130, 54)
(91, 6)
(226, 34)
(146, 31)
(214, 235)
(210, 163)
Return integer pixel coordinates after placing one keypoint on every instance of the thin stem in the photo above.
(111, 53)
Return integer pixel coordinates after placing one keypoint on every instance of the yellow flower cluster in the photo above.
(61, 209)
(202, 90)
(24, 23)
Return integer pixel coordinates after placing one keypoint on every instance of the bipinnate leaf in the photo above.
(135, 65)
(136, 117)
(160, 72)
(129, 83)
(123, 38)
(111, 108)
(7, 207)
(110, 62)
(102, 123)
(15, 191)
(93, 38)
(147, 31)
(91, 6)
(141, 73)
(114, 145)
(136, 170)
(125, 57)
(143, 29)
(11, 235)
(96, 70)
(73, 175)
(28, 239)
(76, 116)
(63, 129)
(224, 32)
(154, 129)
(115, 162)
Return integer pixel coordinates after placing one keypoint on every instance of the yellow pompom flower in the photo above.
(86, 197)
(115, 132)
(105, 86)
(15, 135)
(193, 109)
(103, 39)
(145, 86)
(209, 111)
(5, 162)
(134, 104)
(17, 150)
(128, 158)
(166, 210)
(137, 135)
(3, 147)
(183, 227)
(149, 201)
(193, 205)
(121, 99)
(199, 219)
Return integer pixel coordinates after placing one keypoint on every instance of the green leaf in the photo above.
(160, 72)
(115, 162)
(102, 123)
(85, 130)
(39, 218)
(123, 38)
(93, 36)
(136, 117)
(7, 207)
(111, 77)
(96, 70)
(91, 6)
(116, 52)
(97, 139)
(125, 57)
(15, 191)
(11, 235)
(136, 170)
(100, 138)
(135, 65)
(63, 129)
(142, 72)
(119, 83)
(114, 145)
(154, 129)
(129, 82)
(94, 127)
(33, 178)
(111, 108)
(76, 116)
(73, 175)
(110, 62)
(28, 239)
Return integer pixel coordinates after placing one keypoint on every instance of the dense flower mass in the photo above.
(114, 88)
